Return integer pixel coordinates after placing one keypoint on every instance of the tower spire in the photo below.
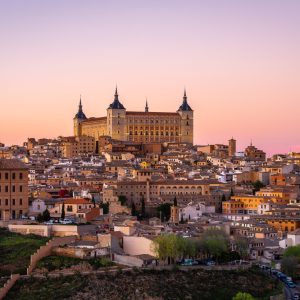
(146, 107)
(80, 114)
(116, 103)
(116, 98)
(80, 104)
(185, 106)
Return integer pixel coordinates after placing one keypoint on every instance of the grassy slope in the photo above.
(221, 285)
(54, 262)
(15, 251)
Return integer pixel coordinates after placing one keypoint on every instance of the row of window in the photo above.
(152, 133)
(5, 202)
(152, 127)
(14, 175)
(13, 189)
(14, 213)
(152, 121)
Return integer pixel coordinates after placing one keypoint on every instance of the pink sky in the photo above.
(239, 60)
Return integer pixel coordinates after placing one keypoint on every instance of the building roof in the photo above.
(80, 114)
(116, 103)
(142, 113)
(185, 106)
(76, 201)
(94, 120)
(11, 164)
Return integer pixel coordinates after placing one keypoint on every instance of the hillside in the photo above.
(175, 284)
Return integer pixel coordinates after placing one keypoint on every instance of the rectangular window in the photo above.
(6, 176)
(21, 188)
(21, 201)
(13, 188)
(13, 176)
(6, 189)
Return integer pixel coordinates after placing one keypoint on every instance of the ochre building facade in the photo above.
(139, 127)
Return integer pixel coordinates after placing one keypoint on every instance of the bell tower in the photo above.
(116, 119)
(77, 120)
(187, 121)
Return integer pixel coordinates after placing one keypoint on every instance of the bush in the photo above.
(97, 263)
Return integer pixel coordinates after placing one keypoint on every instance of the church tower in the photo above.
(231, 147)
(116, 119)
(187, 121)
(77, 120)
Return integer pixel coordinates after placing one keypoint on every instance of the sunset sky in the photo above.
(239, 61)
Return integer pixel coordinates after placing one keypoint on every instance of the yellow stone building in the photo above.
(248, 204)
(140, 127)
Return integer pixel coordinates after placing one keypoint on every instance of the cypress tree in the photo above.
(143, 208)
(46, 215)
(133, 210)
(63, 214)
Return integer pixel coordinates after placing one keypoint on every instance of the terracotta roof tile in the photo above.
(11, 164)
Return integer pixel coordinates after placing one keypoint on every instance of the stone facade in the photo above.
(13, 189)
(75, 146)
(140, 127)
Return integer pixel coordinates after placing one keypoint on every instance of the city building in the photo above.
(138, 126)
(13, 189)
(78, 145)
(252, 153)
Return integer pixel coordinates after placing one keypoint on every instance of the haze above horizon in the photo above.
(239, 61)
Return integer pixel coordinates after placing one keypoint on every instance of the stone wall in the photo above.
(45, 250)
(70, 252)
(137, 245)
(8, 285)
(43, 230)
(128, 260)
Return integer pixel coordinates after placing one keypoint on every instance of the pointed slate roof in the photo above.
(116, 104)
(80, 114)
(185, 106)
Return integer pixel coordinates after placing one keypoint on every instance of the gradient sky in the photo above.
(239, 61)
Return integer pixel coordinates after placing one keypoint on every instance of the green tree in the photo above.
(291, 258)
(242, 247)
(215, 242)
(175, 201)
(143, 208)
(257, 185)
(289, 265)
(39, 218)
(46, 215)
(181, 219)
(105, 207)
(187, 247)
(122, 199)
(292, 251)
(63, 213)
(173, 247)
(164, 210)
(133, 209)
(243, 296)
